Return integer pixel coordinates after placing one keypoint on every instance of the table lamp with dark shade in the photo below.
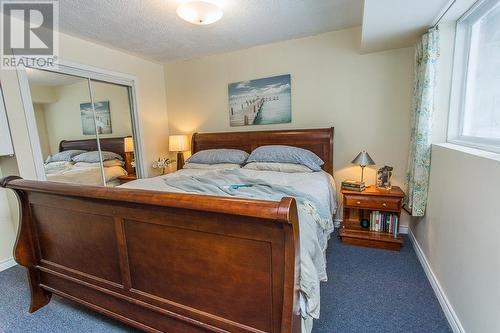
(363, 159)
(179, 144)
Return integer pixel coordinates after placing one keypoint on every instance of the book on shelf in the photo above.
(384, 222)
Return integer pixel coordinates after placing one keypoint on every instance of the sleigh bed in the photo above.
(169, 262)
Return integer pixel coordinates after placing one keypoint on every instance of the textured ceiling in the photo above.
(152, 29)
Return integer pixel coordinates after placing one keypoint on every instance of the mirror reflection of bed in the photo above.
(85, 166)
(67, 122)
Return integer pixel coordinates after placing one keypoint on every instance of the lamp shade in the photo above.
(178, 143)
(128, 144)
(363, 159)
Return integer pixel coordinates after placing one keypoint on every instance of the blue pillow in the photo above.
(286, 154)
(66, 155)
(93, 156)
(216, 156)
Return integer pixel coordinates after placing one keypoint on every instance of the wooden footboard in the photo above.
(161, 262)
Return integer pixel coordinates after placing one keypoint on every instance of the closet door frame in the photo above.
(85, 72)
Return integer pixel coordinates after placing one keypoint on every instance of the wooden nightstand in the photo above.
(127, 178)
(359, 205)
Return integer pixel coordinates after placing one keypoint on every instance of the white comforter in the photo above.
(66, 172)
(313, 236)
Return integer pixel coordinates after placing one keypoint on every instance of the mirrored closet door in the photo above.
(85, 128)
(113, 111)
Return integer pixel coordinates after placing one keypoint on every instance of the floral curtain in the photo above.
(419, 161)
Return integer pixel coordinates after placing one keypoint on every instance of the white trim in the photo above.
(6, 147)
(470, 151)
(448, 310)
(86, 72)
(29, 115)
(7, 263)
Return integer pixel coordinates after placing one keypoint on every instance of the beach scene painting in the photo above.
(260, 102)
(102, 118)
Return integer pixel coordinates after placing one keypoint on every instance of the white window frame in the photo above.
(461, 69)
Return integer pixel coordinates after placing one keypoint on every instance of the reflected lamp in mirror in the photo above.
(363, 159)
(179, 144)
(128, 148)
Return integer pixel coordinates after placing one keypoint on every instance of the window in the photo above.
(475, 99)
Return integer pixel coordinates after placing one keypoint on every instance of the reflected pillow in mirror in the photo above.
(66, 155)
(107, 163)
(93, 156)
(58, 165)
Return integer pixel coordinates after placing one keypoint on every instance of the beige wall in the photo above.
(43, 94)
(41, 126)
(459, 234)
(365, 97)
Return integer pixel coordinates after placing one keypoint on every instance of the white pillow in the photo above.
(275, 166)
(219, 166)
(58, 164)
(108, 163)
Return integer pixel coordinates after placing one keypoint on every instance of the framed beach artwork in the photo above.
(260, 102)
(103, 118)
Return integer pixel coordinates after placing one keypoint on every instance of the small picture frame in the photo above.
(384, 177)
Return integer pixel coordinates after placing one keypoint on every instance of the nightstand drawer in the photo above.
(372, 202)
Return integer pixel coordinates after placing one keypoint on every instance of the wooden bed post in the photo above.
(24, 253)
(291, 323)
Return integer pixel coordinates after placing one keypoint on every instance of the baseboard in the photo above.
(7, 263)
(448, 310)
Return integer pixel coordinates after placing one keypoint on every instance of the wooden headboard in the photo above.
(107, 144)
(319, 141)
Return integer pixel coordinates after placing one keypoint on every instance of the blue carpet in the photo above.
(372, 290)
(368, 291)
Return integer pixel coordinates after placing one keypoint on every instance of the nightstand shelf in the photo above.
(359, 205)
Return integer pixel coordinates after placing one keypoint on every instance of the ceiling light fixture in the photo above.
(200, 12)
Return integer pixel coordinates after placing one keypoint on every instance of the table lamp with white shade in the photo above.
(363, 159)
(179, 144)
(128, 148)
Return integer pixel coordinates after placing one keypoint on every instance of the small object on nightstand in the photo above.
(381, 209)
(127, 178)
(162, 163)
(384, 176)
(353, 185)
(179, 144)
